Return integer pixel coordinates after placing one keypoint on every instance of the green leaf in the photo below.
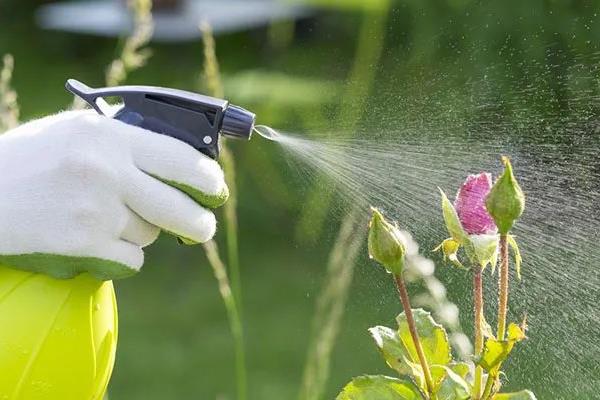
(448, 385)
(453, 224)
(522, 395)
(433, 337)
(398, 349)
(515, 248)
(392, 349)
(496, 351)
(379, 387)
(461, 368)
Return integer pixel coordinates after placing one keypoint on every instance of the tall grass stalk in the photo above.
(360, 81)
(9, 108)
(133, 54)
(212, 73)
(235, 324)
(331, 304)
(214, 86)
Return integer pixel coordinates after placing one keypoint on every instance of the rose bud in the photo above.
(385, 243)
(470, 205)
(506, 201)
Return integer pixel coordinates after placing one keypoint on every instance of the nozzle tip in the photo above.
(238, 122)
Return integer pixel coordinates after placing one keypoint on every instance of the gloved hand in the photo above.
(83, 192)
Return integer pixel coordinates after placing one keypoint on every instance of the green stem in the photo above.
(487, 392)
(133, 54)
(215, 88)
(478, 321)
(412, 327)
(330, 305)
(502, 308)
(235, 323)
(231, 224)
(503, 287)
(231, 293)
(369, 48)
(9, 107)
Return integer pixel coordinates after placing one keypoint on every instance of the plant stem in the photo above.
(369, 48)
(333, 296)
(502, 308)
(412, 327)
(231, 225)
(233, 294)
(9, 108)
(330, 305)
(133, 55)
(488, 388)
(487, 392)
(235, 323)
(503, 287)
(214, 87)
(478, 321)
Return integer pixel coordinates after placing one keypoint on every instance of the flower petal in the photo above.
(470, 205)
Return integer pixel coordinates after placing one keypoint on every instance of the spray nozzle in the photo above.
(193, 118)
(237, 123)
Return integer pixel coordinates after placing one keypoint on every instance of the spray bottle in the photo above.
(58, 338)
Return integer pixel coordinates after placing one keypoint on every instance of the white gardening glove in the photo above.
(83, 192)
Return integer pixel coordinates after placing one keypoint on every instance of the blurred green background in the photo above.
(414, 59)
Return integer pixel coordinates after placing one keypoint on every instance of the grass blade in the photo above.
(133, 54)
(9, 108)
(354, 99)
(214, 86)
(331, 304)
(220, 272)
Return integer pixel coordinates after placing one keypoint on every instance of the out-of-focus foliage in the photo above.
(133, 54)
(9, 108)
(231, 293)
(437, 59)
(281, 89)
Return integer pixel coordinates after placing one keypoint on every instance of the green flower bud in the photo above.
(506, 201)
(385, 243)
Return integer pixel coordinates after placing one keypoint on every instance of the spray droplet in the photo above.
(267, 132)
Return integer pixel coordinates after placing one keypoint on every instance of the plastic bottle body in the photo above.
(57, 337)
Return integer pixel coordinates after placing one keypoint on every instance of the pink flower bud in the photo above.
(470, 205)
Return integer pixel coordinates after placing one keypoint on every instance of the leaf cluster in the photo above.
(452, 379)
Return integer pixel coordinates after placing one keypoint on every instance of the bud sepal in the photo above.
(481, 249)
